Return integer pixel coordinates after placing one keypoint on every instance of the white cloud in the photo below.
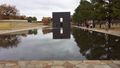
(40, 8)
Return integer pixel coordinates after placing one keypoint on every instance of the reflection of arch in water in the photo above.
(97, 45)
(7, 41)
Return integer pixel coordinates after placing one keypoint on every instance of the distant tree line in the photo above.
(99, 11)
(31, 19)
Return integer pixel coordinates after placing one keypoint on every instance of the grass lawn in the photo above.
(9, 26)
(5, 26)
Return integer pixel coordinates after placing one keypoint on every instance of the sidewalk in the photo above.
(111, 32)
(60, 64)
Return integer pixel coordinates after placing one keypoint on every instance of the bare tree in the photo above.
(6, 11)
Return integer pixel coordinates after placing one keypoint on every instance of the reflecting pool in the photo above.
(38, 44)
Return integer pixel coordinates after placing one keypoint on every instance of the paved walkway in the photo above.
(60, 64)
(111, 32)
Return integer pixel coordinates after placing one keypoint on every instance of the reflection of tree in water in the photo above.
(46, 30)
(7, 41)
(33, 31)
(97, 45)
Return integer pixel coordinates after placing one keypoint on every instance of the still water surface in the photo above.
(39, 45)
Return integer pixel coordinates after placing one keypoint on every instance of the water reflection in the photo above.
(46, 30)
(13, 39)
(9, 41)
(34, 31)
(97, 46)
(39, 45)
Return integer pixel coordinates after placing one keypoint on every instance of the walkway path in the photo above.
(111, 32)
(60, 64)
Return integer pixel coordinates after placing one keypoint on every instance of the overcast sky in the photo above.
(42, 8)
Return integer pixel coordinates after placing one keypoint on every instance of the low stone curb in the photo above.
(60, 64)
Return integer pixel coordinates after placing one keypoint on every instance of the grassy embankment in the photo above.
(9, 26)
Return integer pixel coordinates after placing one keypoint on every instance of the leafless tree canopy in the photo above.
(9, 12)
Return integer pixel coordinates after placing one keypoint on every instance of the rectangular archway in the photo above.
(61, 25)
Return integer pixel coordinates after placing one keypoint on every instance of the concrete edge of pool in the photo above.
(61, 64)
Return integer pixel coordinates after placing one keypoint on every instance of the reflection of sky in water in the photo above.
(40, 46)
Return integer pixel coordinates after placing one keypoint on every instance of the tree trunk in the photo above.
(100, 25)
(109, 13)
(93, 24)
(109, 22)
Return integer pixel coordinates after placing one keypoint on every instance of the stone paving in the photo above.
(60, 64)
